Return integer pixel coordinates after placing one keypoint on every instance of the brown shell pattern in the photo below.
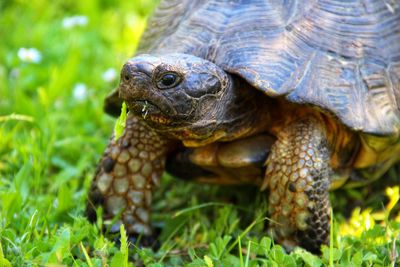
(340, 56)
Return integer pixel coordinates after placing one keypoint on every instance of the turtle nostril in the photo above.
(126, 73)
(135, 72)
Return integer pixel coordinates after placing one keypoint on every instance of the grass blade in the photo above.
(88, 260)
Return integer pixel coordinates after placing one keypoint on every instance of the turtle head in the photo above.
(177, 93)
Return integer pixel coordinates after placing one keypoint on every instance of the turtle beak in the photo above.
(137, 90)
(134, 76)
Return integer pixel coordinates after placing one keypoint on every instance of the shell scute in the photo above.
(340, 56)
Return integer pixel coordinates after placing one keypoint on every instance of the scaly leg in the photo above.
(298, 178)
(128, 172)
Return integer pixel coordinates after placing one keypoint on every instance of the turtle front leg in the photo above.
(298, 177)
(126, 177)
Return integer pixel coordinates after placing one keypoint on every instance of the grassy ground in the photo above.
(53, 130)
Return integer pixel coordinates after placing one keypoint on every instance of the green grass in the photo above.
(51, 137)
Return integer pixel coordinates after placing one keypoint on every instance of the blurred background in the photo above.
(58, 60)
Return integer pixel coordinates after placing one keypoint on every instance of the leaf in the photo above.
(289, 261)
(277, 253)
(310, 259)
(61, 247)
(192, 254)
(231, 261)
(369, 256)
(3, 261)
(218, 247)
(208, 261)
(120, 258)
(117, 260)
(124, 245)
(357, 258)
(335, 254)
(121, 122)
(264, 246)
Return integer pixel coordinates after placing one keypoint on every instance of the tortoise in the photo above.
(297, 99)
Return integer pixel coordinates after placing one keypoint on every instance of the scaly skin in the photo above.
(298, 179)
(127, 175)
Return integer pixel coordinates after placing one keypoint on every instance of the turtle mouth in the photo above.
(149, 111)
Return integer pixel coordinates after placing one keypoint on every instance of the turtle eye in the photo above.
(168, 80)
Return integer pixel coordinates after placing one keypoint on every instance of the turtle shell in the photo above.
(342, 57)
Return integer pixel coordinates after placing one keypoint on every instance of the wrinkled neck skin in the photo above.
(232, 114)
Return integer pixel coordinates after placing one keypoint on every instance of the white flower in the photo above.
(31, 55)
(110, 75)
(80, 92)
(55, 203)
(70, 22)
